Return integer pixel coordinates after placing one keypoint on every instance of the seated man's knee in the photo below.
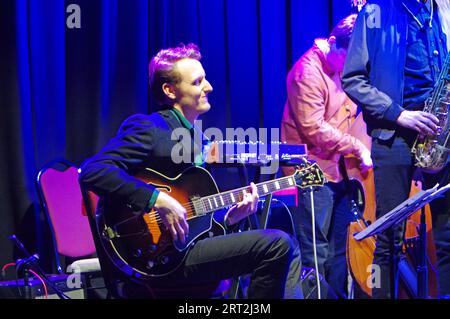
(282, 242)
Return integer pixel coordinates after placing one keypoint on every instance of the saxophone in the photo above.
(431, 152)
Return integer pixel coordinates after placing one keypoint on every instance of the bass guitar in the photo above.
(138, 242)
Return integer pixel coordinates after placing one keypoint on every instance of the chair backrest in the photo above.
(61, 198)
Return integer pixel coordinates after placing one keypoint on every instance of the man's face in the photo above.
(191, 92)
(336, 58)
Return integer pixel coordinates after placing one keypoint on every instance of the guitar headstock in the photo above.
(309, 175)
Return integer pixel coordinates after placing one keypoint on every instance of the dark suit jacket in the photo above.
(142, 141)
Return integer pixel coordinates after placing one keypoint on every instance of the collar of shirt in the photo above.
(183, 121)
(444, 16)
(199, 157)
(322, 48)
(415, 6)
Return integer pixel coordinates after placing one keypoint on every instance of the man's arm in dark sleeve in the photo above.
(106, 173)
(355, 78)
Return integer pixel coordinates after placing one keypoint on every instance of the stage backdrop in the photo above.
(69, 75)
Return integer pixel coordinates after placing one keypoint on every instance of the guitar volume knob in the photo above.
(165, 260)
(137, 253)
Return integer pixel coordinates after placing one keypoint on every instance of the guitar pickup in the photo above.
(110, 233)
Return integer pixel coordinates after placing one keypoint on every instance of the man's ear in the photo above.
(169, 90)
(331, 40)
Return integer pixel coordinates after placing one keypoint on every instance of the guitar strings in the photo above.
(190, 206)
(238, 193)
(235, 196)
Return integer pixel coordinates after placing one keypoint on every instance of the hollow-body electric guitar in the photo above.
(138, 242)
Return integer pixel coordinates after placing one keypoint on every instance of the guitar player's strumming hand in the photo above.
(173, 215)
(244, 208)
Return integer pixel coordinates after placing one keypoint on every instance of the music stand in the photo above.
(399, 214)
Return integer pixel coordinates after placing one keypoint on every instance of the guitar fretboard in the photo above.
(217, 201)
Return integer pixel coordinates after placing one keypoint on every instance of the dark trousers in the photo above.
(271, 257)
(332, 217)
(393, 171)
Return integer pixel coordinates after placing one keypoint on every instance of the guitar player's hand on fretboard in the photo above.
(244, 208)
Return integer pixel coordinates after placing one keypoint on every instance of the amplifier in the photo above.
(16, 289)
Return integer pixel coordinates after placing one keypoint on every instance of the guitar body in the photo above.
(138, 242)
(360, 253)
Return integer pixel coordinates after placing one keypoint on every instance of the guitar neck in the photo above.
(221, 200)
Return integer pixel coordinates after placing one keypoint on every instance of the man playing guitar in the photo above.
(272, 257)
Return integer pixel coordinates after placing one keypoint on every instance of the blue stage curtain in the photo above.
(64, 92)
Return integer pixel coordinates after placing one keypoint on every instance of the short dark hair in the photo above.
(161, 67)
(343, 31)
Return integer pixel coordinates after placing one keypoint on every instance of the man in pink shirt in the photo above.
(319, 113)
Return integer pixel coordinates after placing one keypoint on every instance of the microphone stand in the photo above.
(422, 268)
(26, 264)
(31, 261)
